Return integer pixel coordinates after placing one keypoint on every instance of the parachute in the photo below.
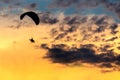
(32, 15)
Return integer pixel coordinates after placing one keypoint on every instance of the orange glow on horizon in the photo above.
(19, 60)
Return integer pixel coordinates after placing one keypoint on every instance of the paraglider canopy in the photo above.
(32, 15)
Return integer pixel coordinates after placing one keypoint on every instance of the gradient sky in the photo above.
(42, 5)
(22, 60)
(13, 6)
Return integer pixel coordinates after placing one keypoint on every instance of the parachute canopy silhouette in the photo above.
(32, 15)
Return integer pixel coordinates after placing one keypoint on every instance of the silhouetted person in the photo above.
(32, 40)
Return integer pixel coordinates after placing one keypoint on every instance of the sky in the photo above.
(96, 36)
(67, 7)
(81, 7)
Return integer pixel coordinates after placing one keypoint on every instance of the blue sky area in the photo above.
(43, 6)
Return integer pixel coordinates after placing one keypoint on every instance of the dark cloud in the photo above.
(47, 17)
(115, 7)
(101, 20)
(60, 56)
(44, 46)
(74, 23)
(112, 39)
(113, 26)
(32, 5)
(100, 29)
(83, 55)
(61, 46)
(60, 36)
(89, 46)
(75, 20)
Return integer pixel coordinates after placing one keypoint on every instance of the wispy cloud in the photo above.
(113, 6)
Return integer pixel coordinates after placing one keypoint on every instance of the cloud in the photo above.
(6, 1)
(72, 24)
(78, 3)
(11, 1)
(32, 6)
(83, 55)
(82, 30)
(63, 3)
(113, 6)
(47, 18)
(17, 6)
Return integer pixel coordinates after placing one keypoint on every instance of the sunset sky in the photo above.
(55, 6)
(77, 24)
